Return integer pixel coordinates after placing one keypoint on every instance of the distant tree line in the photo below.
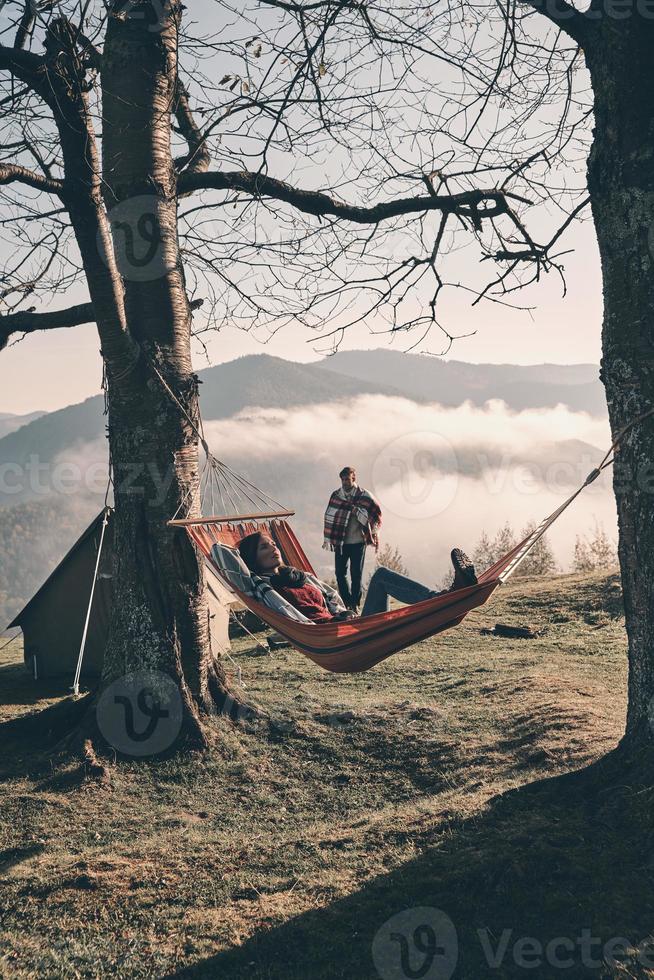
(594, 552)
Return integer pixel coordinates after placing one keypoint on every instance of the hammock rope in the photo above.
(608, 460)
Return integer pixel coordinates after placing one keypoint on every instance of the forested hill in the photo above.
(9, 423)
(268, 382)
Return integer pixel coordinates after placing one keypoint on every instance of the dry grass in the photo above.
(284, 852)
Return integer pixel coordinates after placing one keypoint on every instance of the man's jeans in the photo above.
(355, 554)
(385, 584)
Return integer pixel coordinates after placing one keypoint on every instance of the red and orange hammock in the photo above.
(353, 645)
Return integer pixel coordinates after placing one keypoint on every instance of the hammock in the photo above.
(353, 645)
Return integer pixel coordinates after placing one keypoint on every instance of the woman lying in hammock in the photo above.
(320, 603)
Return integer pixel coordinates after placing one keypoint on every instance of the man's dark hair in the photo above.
(346, 471)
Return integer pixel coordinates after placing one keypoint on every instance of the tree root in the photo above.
(92, 766)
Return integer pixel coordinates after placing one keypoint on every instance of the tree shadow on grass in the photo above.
(18, 688)
(566, 861)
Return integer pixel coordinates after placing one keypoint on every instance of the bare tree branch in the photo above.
(26, 26)
(198, 158)
(29, 322)
(303, 8)
(11, 173)
(28, 67)
(468, 203)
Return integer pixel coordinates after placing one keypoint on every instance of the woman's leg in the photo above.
(386, 583)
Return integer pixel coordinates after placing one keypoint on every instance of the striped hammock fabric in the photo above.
(357, 644)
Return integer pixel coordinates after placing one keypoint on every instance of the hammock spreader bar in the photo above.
(231, 519)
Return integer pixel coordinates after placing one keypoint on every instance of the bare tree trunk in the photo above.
(621, 182)
(160, 621)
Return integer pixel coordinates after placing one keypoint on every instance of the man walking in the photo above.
(352, 521)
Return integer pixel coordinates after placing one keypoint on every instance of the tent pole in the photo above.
(78, 670)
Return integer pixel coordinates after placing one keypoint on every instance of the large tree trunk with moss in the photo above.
(621, 181)
(160, 620)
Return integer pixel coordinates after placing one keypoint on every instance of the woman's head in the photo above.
(260, 553)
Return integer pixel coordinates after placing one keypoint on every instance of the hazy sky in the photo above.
(50, 370)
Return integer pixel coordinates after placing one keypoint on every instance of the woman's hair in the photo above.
(248, 547)
(286, 575)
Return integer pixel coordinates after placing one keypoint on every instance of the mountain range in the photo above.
(9, 423)
(431, 379)
(271, 382)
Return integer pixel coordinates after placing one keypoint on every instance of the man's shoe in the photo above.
(464, 570)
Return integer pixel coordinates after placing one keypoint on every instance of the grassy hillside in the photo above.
(435, 780)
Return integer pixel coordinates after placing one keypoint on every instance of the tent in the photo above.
(53, 620)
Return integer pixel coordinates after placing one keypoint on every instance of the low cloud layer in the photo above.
(378, 419)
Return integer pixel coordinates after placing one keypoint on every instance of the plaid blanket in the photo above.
(232, 566)
(338, 513)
